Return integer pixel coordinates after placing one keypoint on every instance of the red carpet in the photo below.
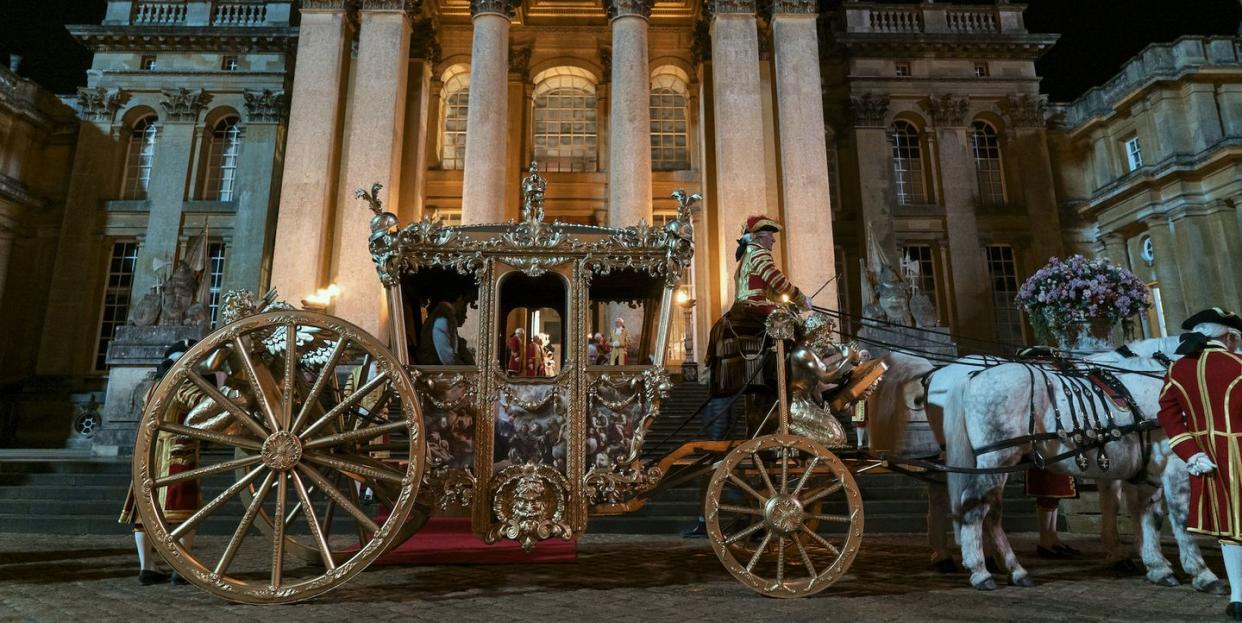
(449, 541)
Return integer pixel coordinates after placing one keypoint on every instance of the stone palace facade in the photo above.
(920, 125)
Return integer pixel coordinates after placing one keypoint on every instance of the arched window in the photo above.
(565, 120)
(985, 145)
(456, 96)
(670, 149)
(139, 156)
(223, 146)
(908, 164)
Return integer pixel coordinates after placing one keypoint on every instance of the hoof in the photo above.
(946, 566)
(1215, 587)
(1167, 580)
(986, 585)
(1125, 566)
(1024, 581)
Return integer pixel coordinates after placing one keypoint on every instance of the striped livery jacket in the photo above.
(760, 284)
(1201, 411)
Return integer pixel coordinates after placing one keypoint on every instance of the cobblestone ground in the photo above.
(616, 578)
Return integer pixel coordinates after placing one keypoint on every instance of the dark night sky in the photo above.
(1097, 36)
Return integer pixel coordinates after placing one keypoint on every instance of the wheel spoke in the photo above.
(741, 509)
(208, 470)
(806, 558)
(203, 434)
(822, 493)
(354, 466)
(805, 475)
(239, 534)
(230, 406)
(252, 376)
(754, 559)
(214, 505)
(291, 367)
(780, 560)
(741, 484)
(763, 471)
(313, 522)
(822, 541)
(348, 402)
(784, 454)
(326, 374)
(747, 531)
(362, 434)
(340, 499)
(278, 530)
(833, 518)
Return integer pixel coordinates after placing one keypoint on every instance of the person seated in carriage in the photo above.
(439, 343)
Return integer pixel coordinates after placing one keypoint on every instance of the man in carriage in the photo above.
(1200, 406)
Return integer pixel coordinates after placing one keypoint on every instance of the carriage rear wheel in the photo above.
(784, 515)
(303, 412)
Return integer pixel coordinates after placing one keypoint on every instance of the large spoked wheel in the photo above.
(306, 414)
(784, 515)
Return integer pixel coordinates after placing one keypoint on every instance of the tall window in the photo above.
(908, 164)
(223, 147)
(117, 292)
(565, 120)
(139, 156)
(1003, 272)
(670, 149)
(985, 145)
(919, 267)
(1134, 153)
(215, 275)
(455, 105)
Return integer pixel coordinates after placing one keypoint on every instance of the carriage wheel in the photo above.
(267, 385)
(797, 506)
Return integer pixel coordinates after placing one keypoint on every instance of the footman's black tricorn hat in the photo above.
(1216, 315)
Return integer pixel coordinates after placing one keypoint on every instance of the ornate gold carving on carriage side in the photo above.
(531, 502)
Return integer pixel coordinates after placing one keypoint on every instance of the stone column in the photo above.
(1167, 272)
(375, 135)
(166, 193)
(741, 188)
(1204, 116)
(874, 153)
(959, 184)
(629, 119)
(804, 156)
(483, 180)
(312, 152)
(1191, 248)
(246, 265)
(419, 117)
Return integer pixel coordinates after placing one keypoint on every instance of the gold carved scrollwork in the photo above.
(529, 502)
(618, 485)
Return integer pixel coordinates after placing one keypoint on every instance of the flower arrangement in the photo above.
(1065, 295)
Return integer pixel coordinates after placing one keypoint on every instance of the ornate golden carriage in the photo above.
(338, 448)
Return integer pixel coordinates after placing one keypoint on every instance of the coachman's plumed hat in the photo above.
(1214, 315)
(759, 222)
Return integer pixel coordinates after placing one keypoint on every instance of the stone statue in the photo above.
(895, 311)
(178, 295)
(147, 312)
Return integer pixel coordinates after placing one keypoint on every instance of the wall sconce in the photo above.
(322, 299)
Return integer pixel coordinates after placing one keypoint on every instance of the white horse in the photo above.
(1009, 401)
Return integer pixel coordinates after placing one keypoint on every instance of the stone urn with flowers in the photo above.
(1075, 303)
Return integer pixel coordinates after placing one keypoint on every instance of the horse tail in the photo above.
(887, 411)
(958, 451)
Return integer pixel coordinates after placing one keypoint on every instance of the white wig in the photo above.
(1215, 330)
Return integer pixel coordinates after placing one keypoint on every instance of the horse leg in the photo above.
(937, 527)
(1110, 501)
(973, 515)
(1149, 519)
(1177, 498)
(1017, 574)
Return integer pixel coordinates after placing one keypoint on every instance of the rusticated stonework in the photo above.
(946, 110)
(183, 105)
(98, 104)
(869, 110)
(265, 106)
(498, 7)
(1024, 111)
(623, 8)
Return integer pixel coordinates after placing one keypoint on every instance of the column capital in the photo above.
(327, 5)
(1024, 110)
(424, 44)
(404, 6)
(605, 63)
(795, 7)
(503, 8)
(99, 104)
(628, 8)
(265, 106)
(183, 105)
(519, 60)
(946, 110)
(869, 109)
(730, 7)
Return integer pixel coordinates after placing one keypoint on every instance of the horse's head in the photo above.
(1149, 355)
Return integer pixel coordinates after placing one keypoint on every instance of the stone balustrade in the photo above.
(159, 13)
(202, 13)
(971, 21)
(933, 18)
(239, 14)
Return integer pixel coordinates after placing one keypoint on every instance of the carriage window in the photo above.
(440, 312)
(534, 322)
(623, 315)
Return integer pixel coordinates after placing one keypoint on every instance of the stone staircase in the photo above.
(77, 495)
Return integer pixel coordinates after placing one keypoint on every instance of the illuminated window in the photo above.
(139, 156)
(902, 69)
(670, 149)
(228, 63)
(147, 63)
(908, 164)
(455, 100)
(1003, 271)
(223, 147)
(1134, 153)
(117, 290)
(215, 276)
(981, 70)
(565, 111)
(919, 268)
(985, 145)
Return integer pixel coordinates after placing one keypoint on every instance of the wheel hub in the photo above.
(783, 513)
(282, 451)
